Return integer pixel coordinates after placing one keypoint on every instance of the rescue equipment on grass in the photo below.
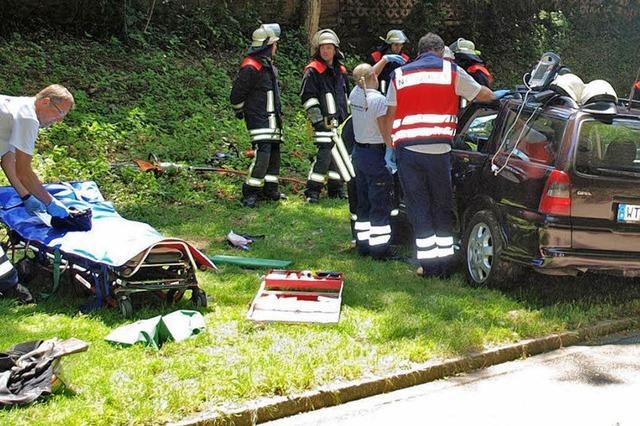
(298, 296)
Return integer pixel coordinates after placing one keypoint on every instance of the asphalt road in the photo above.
(590, 384)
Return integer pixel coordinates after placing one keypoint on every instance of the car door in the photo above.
(527, 151)
(469, 153)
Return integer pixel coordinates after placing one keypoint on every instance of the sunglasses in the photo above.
(60, 111)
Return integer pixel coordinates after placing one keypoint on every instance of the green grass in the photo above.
(391, 319)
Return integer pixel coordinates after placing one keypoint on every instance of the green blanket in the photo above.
(178, 325)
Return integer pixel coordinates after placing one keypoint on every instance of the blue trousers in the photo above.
(8, 274)
(374, 184)
(426, 182)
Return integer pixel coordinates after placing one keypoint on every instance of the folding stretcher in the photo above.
(114, 260)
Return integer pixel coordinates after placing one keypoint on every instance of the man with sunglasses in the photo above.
(20, 119)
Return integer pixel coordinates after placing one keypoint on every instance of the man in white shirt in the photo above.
(20, 119)
(373, 180)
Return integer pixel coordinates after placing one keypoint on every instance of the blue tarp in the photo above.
(112, 240)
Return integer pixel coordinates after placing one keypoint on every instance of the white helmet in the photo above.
(395, 36)
(265, 35)
(598, 90)
(569, 85)
(325, 36)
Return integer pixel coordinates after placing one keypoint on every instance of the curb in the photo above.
(267, 409)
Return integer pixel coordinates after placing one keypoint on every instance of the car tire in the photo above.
(483, 246)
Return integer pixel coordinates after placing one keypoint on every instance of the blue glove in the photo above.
(32, 204)
(390, 160)
(56, 209)
(501, 93)
(398, 59)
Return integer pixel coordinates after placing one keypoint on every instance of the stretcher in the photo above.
(114, 260)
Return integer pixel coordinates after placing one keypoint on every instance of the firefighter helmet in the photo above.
(598, 90)
(465, 48)
(395, 36)
(264, 36)
(325, 36)
(569, 85)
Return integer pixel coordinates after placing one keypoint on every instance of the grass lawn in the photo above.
(390, 320)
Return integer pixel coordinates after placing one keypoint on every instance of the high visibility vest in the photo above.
(427, 104)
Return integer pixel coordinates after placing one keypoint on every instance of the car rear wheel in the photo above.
(483, 248)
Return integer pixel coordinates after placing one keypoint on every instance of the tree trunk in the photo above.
(312, 18)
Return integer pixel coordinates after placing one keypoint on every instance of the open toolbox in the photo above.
(298, 296)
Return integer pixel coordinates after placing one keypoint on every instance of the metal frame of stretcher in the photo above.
(167, 266)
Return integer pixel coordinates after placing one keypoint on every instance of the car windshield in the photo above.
(609, 148)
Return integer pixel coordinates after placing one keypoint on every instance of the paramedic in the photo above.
(368, 107)
(20, 119)
(421, 122)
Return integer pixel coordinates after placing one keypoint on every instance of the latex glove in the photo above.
(56, 209)
(33, 205)
(398, 59)
(390, 160)
(501, 93)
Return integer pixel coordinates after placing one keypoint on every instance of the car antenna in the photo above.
(633, 89)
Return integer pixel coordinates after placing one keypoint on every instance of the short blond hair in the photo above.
(57, 93)
(362, 73)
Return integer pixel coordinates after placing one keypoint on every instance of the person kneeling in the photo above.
(373, 180)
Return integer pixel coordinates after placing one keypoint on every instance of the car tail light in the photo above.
(556, 197)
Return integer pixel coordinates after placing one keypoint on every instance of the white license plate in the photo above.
(628, 213)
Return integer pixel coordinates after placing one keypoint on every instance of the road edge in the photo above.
(267, 409)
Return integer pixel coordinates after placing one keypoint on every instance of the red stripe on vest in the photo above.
(251, 62)
(478, 67)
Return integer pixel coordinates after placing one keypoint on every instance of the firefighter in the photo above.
(392, 52)
(368, 106)
(255, 96)
(324, 97)
(466, 56)
(421, 119)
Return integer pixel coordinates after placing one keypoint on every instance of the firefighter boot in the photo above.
(312, 193)
(250, 195)
(335, 190)
(271, 192)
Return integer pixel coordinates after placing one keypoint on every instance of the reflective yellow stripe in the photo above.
(426, 242)
(380, 240)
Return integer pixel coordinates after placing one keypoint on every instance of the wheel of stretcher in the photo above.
(125, 306)
(199, 298)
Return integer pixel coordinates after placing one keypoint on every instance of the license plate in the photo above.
(628, 213)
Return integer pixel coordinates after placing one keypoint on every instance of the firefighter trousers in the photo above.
(324, 170)
(262, 179)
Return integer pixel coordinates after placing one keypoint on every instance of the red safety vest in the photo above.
(427, 104)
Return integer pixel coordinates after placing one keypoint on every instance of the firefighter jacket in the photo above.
(385, 74)
(481, 74)
(256, 96)
(427, 103)
(324, 96)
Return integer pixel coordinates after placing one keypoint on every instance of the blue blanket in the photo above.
(112, 240)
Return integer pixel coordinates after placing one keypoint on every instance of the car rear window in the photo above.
(609, 148)
(534, 137)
